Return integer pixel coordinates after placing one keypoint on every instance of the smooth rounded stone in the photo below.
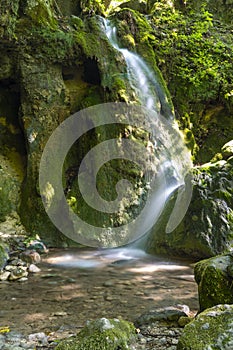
(4, 275)
(215, 283)
(33, 268)
(212, 329)
(166, 316)
(22, 279)
(39, 338)
(30, 256)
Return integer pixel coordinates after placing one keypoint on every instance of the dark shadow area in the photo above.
(91, 72)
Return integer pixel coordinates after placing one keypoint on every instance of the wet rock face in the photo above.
(111, 334)
(206, 229)
(212, 329)
(215, 281)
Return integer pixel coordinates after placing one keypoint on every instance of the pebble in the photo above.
(33, 268)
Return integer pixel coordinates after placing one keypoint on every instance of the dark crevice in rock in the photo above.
(91, 72)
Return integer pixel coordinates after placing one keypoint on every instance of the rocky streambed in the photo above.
(73, 286)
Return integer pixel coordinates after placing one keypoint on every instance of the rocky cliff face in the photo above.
(56, 60)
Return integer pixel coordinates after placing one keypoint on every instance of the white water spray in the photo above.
(142, 79)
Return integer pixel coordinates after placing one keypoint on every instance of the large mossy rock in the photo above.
(215, 281)
(211, 330)
(207, 228)
(102, 334)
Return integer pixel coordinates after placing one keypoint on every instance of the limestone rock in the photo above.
(215, 281)
(212, 329)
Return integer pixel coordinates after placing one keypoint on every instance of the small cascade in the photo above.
(142, 79)
(175, 161)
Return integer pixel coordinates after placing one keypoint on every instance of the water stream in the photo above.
(142, 78)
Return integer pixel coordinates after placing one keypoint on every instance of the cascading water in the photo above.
(164, 167)
(173, 166)
(142, 79)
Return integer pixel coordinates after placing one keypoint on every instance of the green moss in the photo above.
(102, 334)
(133, 25)
(194, 53)
(214, 284)
(41, 13)
(212, 330)
(9, 12)
(90, 7)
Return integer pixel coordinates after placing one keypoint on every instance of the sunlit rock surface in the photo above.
(215, 281)
(212, 329)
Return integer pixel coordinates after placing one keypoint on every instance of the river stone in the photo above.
(166, 316)
(211, 330)
(102, 334)
(215, 281)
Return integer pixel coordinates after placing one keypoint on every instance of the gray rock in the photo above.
(211, 330)
(4, 275)
(33, 268)
(39, 338)
(166, 316)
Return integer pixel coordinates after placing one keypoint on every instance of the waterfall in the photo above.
(142, 79)
(154, 145)
(175, 161)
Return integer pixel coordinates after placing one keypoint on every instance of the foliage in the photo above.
(197, 50)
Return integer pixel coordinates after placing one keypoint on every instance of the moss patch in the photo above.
(102, 334)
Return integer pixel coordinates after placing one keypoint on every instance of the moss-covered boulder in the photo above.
(215, 281)
(212, 330)
(102, 334)
(207, 228)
